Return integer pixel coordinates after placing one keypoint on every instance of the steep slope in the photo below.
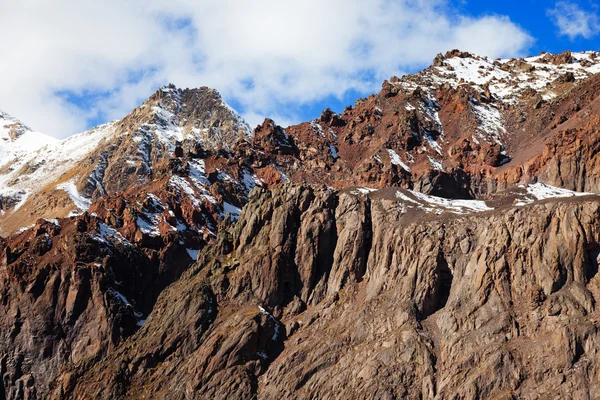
(462, 263)
(321, 294)
(77, 304)
(16, 142)
(465, 127)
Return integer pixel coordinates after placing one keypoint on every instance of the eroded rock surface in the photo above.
(425, 303)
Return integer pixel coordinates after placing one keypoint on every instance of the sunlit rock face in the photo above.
(438, 239)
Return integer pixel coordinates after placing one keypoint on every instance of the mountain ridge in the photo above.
(438, 239)
(82, 162)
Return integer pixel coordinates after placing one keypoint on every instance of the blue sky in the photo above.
(532, 15)
(70, 64)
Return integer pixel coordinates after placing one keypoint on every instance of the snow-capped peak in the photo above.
(31, 163)
(17, 139)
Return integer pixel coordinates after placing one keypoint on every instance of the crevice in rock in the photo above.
(39, 284)
(438, 297)
(83, 294)
(445, 282)
(288, 269)
(578, 351)
(17, 325)
(324, 258)
(593, 258)
(368, 238)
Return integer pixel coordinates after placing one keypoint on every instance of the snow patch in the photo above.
(541, 191)
(148, 224)
(108, 235)
(250, 181)
(438, 205)
(363, 190)
(396, 160)
(436, 164)
(333, 151)
(80, 202)
(232, 210)
(151, 216)
(433, 143)
(317, 128)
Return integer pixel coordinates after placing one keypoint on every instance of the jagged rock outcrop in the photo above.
(466, 127)
(171, 118)
(71, 291)
(443, 302)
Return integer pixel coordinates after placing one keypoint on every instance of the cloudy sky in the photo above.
(67, 65)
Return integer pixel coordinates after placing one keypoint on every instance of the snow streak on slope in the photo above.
(81, 202)
(396, 160)
(438, 205)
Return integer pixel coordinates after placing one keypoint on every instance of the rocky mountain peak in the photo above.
(438, 239)
(200, 113)
(115, 156)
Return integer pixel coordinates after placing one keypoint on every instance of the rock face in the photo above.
(422, 303)
(431, 241)
(70, 292)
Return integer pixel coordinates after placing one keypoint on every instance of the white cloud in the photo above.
(572, 21)
(264, 54)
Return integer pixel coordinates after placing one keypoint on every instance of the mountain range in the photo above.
(438, 239)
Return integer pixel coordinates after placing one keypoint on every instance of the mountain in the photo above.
(321, 294)
(465, 127)
(65, 176)
(438, 239)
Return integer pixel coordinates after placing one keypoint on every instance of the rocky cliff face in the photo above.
(431, 241)
(316, 293)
